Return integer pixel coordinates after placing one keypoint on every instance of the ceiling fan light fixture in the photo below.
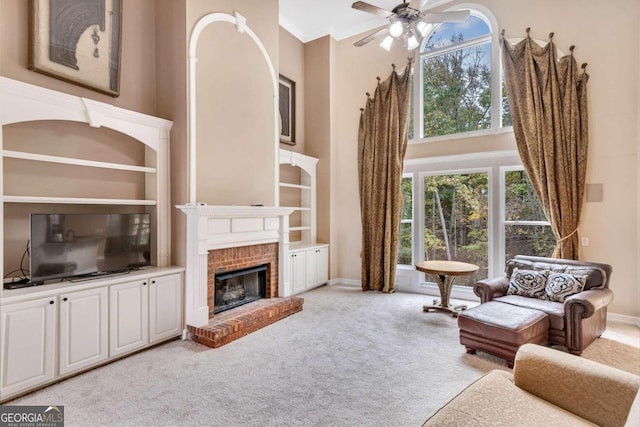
(395, 29)
(412, 42)
(386, 42)
(422, 27)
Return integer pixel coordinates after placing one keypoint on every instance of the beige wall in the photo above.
(318, 101)
(235, 120)
(235, 110)
(355, 74)
(606, 37)
(172, 39)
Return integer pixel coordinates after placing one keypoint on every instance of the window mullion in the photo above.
(458, 46)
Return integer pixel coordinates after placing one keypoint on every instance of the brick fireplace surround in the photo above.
(238, 322)
(228, 239)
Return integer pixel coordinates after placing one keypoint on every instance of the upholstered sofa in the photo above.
(575, 320)
(547, 388)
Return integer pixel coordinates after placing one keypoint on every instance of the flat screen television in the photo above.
(67, 246)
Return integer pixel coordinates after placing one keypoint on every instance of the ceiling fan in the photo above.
(406, 22)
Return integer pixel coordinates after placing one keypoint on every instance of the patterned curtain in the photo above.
(382, 143)
(548, 101)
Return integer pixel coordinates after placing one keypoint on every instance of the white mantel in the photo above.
(212, 227)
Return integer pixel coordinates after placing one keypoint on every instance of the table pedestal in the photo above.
(445, 283)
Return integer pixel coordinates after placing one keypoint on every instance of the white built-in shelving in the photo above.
(23, 102)
(58, 329)
(308, 259)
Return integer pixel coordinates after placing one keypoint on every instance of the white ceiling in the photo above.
(312, 19)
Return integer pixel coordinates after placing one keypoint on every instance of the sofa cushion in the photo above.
(528, 283)
(555, 310)
(495, 401)
(561, 285)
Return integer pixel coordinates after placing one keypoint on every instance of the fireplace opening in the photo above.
(239, 287)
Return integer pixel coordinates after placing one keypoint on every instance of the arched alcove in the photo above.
(233, 123)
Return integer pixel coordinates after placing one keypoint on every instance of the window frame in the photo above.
(496, 78)
(503, 211)
(489, 162)
(410, 221)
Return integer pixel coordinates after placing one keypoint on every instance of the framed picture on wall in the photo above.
(77, 41)
(287, 96)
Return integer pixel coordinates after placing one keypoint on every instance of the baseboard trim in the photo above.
(347, 282)
(623, 319)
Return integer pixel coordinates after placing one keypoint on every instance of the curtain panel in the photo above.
(382, 143)
(548, 101)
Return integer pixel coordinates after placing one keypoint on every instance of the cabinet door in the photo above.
(298, 275)
(317, 266)
(165, 307)
(28, 344)
(83, 329)
(323, 265)
(311, 268)
(128, 317)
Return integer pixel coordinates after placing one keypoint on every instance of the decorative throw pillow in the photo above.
(561, 285)
(528, 283)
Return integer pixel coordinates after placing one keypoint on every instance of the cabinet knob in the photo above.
(144, 283)
(52, 302)
(153, 281)
(65, 299)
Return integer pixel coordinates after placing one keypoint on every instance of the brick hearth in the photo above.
(232, 324)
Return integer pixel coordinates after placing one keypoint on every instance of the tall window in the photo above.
(459, 87)
(456, 220)
(526, 229)
(481, 210)
(405, 245)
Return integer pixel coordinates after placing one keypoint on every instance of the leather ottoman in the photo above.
(500, 329)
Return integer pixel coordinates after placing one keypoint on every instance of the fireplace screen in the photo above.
(239, 287)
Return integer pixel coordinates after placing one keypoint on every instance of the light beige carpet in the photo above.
(614, 353)
(348, 359)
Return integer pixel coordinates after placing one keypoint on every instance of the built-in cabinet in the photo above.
(309, 266)
(308, 259)
(84, 325)
(55, 330)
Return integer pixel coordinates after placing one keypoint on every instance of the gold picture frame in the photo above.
(77, 41)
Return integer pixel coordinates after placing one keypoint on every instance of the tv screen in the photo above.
(72, 245)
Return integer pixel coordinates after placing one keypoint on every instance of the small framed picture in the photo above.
(287, 110)
(77, 41)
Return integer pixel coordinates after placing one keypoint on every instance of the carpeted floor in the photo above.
(348, 359)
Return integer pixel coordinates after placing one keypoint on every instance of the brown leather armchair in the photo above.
(574, 323)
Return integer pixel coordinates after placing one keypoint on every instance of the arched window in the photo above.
(458, 89)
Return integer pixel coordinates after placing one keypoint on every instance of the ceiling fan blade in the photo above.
(376, 34)
(366, 7)
(455, 16)
(415, 4)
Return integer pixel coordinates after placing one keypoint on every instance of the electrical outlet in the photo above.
(585, 241)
